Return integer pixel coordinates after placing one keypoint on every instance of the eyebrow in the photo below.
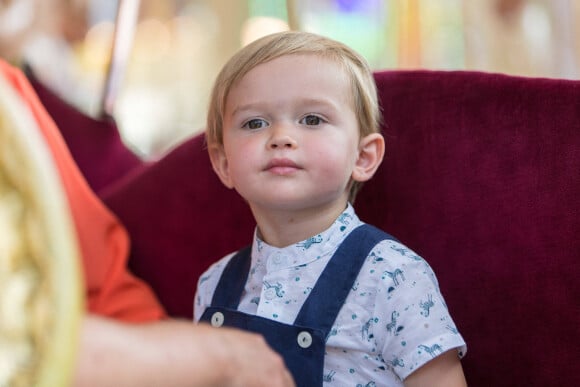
(316, 102)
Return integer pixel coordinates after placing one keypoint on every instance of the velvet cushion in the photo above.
(181, 219)
(481, 177)
(95, 144)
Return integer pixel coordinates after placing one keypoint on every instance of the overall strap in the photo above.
(232, 281)
(330, 291)
(328, 295)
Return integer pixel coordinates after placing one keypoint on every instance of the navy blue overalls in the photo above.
(301, 344)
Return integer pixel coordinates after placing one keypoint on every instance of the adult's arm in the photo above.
(174, 353)
(111, 290)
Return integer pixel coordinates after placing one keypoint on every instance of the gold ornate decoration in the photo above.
(40, 283)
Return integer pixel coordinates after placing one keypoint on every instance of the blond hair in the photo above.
(364, 93)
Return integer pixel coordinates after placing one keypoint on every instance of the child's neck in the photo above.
(284, 228)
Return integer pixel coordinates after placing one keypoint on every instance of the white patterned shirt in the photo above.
(393, 321)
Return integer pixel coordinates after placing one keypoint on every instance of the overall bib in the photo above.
(302, 344)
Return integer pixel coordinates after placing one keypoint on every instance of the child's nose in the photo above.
(282, 138)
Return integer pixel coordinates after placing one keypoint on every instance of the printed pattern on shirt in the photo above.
(393, 321)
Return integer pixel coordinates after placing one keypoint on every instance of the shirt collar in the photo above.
(316, 247)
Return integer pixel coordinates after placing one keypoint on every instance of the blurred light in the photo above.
(536, 23)
(186, 27)
(16, 17)
(152, 40)
(190, 34)
(99, 11)
(145, 114)
(271, 8)
(256, 27)
(97, 46)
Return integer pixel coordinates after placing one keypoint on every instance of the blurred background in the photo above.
(150, 64)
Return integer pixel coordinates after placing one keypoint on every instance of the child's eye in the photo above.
(255, 123)
(311, 120)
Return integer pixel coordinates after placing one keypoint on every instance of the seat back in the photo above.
(481, 178)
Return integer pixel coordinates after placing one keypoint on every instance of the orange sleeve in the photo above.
(112, 290)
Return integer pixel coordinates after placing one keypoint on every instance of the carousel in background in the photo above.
(173, 49)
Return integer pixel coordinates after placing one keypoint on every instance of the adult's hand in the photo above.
(174, 353)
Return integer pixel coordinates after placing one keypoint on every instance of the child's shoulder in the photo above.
(397, 250)
(393, 253)
(216, 268)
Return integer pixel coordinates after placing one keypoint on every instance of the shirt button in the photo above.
(279, 260)
(217, 319)
(304, 339)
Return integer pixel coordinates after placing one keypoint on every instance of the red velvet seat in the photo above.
(481, 177)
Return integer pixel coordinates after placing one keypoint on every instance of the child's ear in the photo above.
(220, 165)
(370, 154)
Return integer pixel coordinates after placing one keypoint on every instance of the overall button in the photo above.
(217, 319)
(304, 339)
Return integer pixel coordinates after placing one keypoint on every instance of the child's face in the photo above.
(290, 135)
